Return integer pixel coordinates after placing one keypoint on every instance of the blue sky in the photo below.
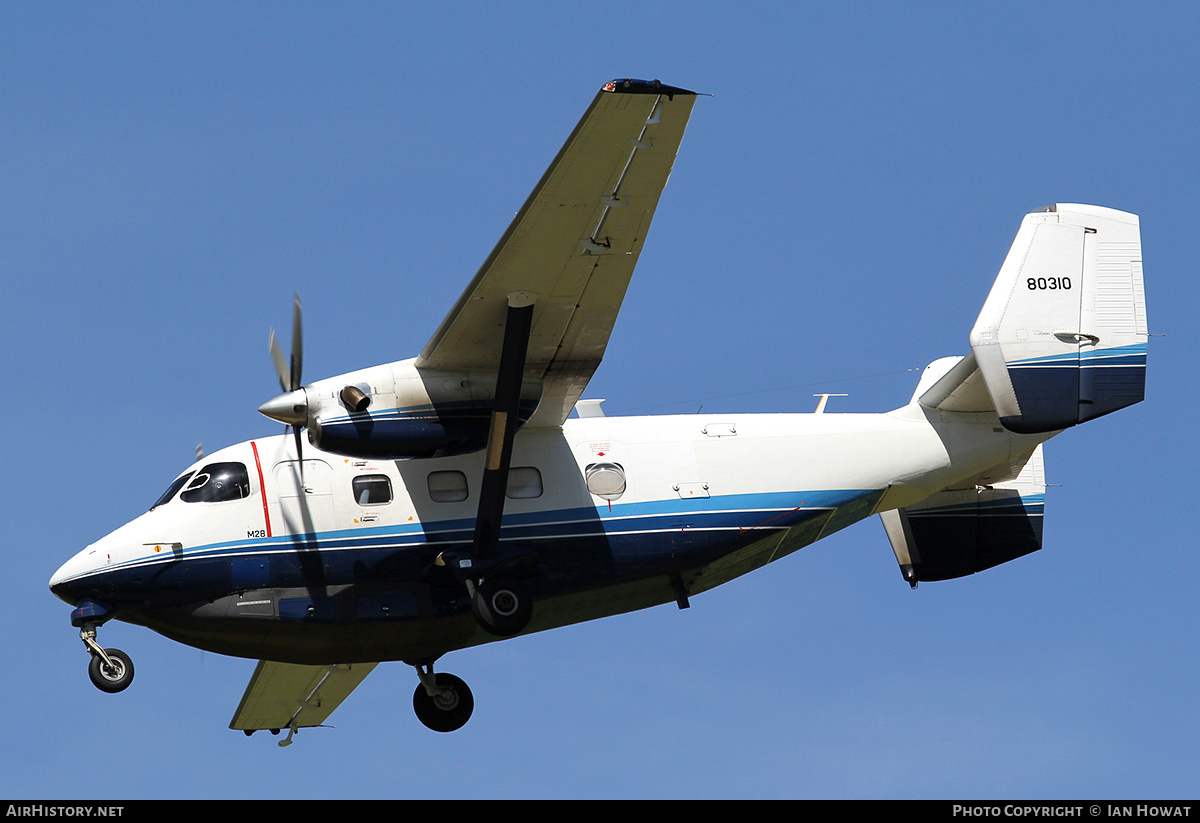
(839, 208)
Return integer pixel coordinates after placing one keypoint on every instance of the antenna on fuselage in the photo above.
(199, 451)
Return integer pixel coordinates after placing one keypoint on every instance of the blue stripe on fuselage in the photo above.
(631, 533)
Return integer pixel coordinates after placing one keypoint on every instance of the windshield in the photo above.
(172, 490)
(218, 482)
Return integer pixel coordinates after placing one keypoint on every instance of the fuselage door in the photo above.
(305, 497)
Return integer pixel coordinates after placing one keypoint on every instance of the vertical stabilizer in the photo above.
(958, 532)
(1062, 336)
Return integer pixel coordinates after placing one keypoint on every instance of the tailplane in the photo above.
(1061, 340)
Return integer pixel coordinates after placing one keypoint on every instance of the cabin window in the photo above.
(447, 487)
(170, 493)
(216, 483)
(372, 490)
(524, 483)
(605, 480)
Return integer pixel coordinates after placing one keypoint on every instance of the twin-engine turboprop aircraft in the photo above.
(418, 520)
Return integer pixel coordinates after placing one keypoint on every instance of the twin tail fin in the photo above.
(1062, 336)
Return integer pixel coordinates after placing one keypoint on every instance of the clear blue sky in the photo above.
(173, 172)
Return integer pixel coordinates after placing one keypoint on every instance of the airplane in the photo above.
(422, 507)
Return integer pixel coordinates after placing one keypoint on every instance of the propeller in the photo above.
(291, 407)
(289, 370)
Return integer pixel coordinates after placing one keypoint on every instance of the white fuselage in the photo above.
(606, 503)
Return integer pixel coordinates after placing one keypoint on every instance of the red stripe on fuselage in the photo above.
(262, 488)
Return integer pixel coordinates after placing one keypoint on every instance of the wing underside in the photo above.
(288, 696)
(574, 244)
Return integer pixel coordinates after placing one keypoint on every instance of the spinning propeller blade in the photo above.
(289, 369)
(297, 344)
(291, 407)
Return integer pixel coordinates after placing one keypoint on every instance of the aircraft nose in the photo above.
(62, 583)
(60, 588)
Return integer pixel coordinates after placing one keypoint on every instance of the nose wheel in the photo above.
(111, 670)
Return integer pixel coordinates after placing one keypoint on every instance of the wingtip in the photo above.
(630, 85)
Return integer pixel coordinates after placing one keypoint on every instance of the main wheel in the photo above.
(114, 678)
(450, 709)
(501, 607)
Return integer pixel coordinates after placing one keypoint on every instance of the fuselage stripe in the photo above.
(262, 487)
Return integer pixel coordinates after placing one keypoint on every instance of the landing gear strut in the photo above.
(111, 670)
(442, 701)
(501, 606)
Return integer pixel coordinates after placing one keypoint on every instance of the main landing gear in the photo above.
(500, 601)
(111, 670)
(501, 607)
(442, 701)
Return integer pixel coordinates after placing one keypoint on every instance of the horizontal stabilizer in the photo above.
(954, 384)
(958, 532)
(1062, 336)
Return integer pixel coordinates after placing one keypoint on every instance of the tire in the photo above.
(501, 607)
(115, 679)
(450, 710)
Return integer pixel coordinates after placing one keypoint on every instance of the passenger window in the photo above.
(216, 483)
(524, 483)
(372, 490)
(605, 480)
(447, 487)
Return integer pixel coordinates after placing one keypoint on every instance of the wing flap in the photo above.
(574, 243)
(285, 695)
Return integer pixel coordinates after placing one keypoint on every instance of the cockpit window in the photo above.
(218, 482)
(173, 490)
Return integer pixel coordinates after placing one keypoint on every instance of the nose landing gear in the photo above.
(111, 670)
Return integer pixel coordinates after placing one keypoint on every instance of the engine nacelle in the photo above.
(407, 412)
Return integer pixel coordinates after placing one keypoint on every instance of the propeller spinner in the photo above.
(291, 407)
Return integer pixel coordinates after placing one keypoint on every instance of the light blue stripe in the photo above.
(624, 518)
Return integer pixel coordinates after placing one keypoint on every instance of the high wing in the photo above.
(289, 696)
(574, 244)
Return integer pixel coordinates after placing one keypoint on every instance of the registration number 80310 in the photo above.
(1049, 283)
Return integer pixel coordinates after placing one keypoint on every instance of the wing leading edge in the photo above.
(574, 244)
